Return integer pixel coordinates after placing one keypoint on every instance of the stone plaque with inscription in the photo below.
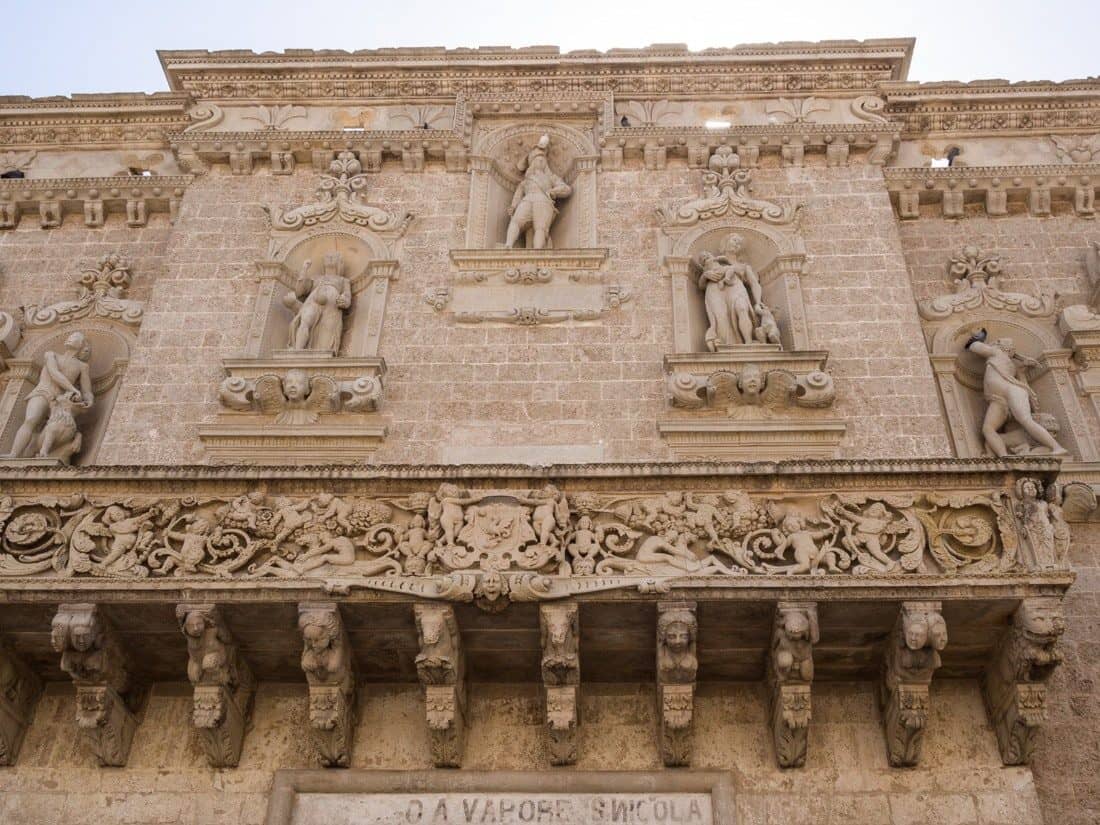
(506, 798)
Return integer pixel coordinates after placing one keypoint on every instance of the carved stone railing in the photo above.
(922, 545)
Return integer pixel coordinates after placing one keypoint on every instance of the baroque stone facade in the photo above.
(648, 435)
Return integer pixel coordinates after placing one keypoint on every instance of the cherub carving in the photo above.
(89, 652)
(445, 515)
(871, 531)
(753, 387)
(296, 399)
(803, 542)
(415, 545)
(584, 549)
(796, 632)
(127, 531)
(550, 517)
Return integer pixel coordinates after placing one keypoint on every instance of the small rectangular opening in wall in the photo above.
(354, 129)
(718, 124)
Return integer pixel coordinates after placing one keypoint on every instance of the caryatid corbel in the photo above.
(912, 656)
(677, 664)
(107, 696)
(532, 210)
(1014, 684)
(224, 687)
(441, 666)
(790, 674)
(330, 670)
(561, 676)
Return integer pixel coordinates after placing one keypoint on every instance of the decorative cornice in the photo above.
(93, 198)
(128, 120)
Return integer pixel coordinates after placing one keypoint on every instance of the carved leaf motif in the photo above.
(275, 117)
(798, 110)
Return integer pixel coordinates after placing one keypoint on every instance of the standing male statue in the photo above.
(319, 305)
(533, 203)
(1007, 392)
(64, 386)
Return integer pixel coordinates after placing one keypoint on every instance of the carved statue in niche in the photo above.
(319, 304)
(1009, 397)
(733, 299)
(532, 209)
(64, 388)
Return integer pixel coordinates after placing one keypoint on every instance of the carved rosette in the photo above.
(677, 629)
(912, 656)
(441, 666)
(107, 699)
(1014, 684)
(561, 677)
(329, 668)
(790, 674)
(224, 685)
(19, 692)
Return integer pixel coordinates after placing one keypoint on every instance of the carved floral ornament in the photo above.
(496, 545)
(102, 294)
(977, 277)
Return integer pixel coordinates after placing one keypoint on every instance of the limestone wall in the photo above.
(846, 780)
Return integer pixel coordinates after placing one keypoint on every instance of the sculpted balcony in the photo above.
(789, 572)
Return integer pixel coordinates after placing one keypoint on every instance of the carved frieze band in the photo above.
(51, 199)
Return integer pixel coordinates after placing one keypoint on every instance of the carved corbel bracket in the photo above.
(677, 663)
(91, 198)
(224, 686)
(790, 674)
(760, 392)
(19, 692)
(912, 656)
(441, 666)
(561, 676)
(107, 698)
(1014, 683)
(330, 670)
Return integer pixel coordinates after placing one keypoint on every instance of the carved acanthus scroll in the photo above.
(677, 664)
(561, 676)
(330, 670)
(107, 696)
(912, 656)
(790, 674)
(441, 666)
(1014, 685)
(224, 686)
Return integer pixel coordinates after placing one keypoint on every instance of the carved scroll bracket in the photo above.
(19, 692)
(677, 663)
(561, 676)
(51, 199)
(441, 666)
(107, 697)
(1014, 684)
(330, 670)
(224, 686)
(912, 656)
(790, 674)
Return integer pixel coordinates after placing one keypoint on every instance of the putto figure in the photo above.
(319, 305)
(64, 388)
(1009, 397)
(532, 210)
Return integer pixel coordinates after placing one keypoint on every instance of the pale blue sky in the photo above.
(109, 45)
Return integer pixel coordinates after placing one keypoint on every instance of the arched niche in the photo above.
(110, 347)
(366, 263)
(959, 375)
(495, 173)
(778, 257)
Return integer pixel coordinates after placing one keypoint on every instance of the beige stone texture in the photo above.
(169, 783)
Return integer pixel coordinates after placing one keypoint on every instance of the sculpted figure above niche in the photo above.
(62, 376)
(532, 210)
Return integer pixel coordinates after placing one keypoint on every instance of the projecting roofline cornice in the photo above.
(910, 91)
(889, 58)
